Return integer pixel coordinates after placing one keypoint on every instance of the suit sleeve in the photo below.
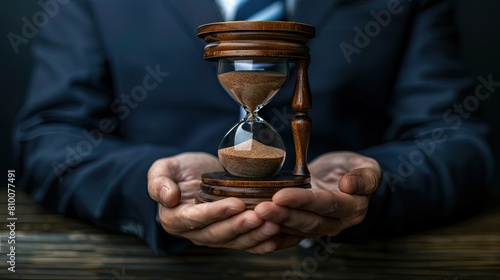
(71, 155)
(436, 161)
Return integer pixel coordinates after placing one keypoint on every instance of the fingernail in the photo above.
(249, 224)
(264, 214)
(354, 183)
(269, 229)
(232, 211)
(164, 194)
(269, 247)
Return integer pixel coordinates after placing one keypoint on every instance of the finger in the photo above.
(277, 242)
(361, 181)
(223, 233)
(189, 217)
(245, 237)
(323, 202)
(295, 232)
(302, 223)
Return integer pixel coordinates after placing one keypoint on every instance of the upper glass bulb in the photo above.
(252, 82)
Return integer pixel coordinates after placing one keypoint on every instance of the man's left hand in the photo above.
(342, 183)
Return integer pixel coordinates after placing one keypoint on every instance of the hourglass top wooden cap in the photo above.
(256, 39)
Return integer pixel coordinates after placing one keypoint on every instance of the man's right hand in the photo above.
(174, 182)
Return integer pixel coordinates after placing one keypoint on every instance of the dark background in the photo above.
(14, 71)
(478, 21)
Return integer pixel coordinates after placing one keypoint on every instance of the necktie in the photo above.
(260, 10)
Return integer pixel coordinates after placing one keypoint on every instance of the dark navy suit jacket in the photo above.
(121, 83)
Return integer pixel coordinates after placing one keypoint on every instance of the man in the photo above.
(122, 107)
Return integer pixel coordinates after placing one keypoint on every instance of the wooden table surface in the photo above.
(50, 246)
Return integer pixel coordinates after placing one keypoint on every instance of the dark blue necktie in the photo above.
(261, 10)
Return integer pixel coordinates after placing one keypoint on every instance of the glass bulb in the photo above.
(252, 148)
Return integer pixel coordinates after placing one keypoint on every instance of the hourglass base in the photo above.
(220, 185)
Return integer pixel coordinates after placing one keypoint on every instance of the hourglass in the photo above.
(253, 59)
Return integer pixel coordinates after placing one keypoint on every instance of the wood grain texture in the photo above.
(50, 246)
(219, 185)
(301, 123)
(256, 39)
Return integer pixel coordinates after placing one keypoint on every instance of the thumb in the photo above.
(161, 187)
(361, 181)
(165, 191)
(169, 193)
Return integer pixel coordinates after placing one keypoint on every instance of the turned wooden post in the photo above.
(301, 123)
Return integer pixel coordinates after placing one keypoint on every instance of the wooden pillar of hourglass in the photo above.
(272, 39)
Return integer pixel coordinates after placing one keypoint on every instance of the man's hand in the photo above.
(175, 181)
(342, 183)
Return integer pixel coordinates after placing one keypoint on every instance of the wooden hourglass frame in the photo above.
(261, 40)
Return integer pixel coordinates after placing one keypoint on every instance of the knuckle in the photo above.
(155, 164)
(188, 224)
(207, 237)
(315, 227)
(155, 167)
(184, 218)
(361, 206)
(356, 160)
(333, 208)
